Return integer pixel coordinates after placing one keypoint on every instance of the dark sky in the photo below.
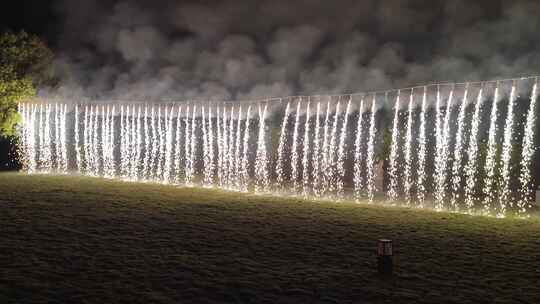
(245, 49)
(38, 17)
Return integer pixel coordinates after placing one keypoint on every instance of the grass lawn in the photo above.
(69, 239)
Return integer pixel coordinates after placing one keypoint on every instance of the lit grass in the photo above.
(87, 240)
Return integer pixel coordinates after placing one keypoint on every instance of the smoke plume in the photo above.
(225, 50)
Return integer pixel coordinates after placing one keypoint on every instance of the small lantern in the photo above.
(385, 247)
(385, 257)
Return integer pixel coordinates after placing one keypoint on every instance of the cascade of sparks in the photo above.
(230, 152)
(370, 160)
(421, 188)
(305, 155)
(281, 148)
(207, 181)
(192, 149)
(177, 144)
(161, 146)
(187, 148)
(294, 149)
(261, 162)
(439, 149)
(316, 172)
(458, 153)
(78, 157)
(393, 166)
(154, 145)
(237, 150)
(472, 155)
(245, 150)
(443, 152)
(407, 178)
(325, 155)
(331, 158)
(527, 154)
(160, 143)
(490, 164)
(505, 197)
(358, 176)
(341, 151)
(168, 143)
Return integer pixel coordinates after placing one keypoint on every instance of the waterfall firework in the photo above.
(301, 146)
(527, 153)
(358, 177)
(458, 154)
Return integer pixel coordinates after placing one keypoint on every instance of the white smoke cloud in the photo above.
(229, 49)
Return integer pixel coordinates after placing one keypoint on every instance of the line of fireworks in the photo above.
(161, 143)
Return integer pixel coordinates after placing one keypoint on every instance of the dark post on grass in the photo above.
(385, 264)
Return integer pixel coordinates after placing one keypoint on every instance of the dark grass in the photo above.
(68, 239)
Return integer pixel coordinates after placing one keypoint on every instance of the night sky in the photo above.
(36, 17)
(246, 49)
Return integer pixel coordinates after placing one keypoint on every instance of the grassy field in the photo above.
(67, 239)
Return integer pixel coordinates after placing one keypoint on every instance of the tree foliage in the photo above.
(25, 63)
